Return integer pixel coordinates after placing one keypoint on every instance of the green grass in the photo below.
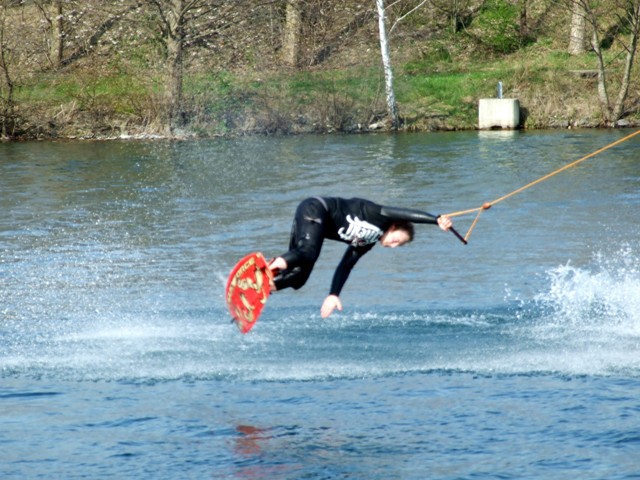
(86, 91)
(443, 83)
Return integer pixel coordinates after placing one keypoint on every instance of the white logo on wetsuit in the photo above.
(360, 232)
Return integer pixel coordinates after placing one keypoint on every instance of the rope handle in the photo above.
(460, 237)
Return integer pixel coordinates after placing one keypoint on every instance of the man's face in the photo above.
(393, 238)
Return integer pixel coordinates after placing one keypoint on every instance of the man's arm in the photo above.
(416, 216)
(409, 215)
(349, 260)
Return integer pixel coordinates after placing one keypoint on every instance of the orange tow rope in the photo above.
(488, 205)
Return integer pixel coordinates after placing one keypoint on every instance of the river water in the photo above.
(516, 356)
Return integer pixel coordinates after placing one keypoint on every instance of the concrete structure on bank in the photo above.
(498, 113)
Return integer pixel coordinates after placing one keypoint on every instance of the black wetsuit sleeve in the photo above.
(410, 215)
(349, 260)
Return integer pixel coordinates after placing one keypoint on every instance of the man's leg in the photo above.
(307, 235)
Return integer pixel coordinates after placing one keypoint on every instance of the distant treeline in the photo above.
(208, 67)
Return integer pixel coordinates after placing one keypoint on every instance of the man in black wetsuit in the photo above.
(359, 223)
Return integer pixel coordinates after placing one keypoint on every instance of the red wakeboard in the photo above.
(248, 289)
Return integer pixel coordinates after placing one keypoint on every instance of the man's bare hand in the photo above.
(444, 222)
(329, 305)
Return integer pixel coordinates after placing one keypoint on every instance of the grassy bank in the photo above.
(434, 92)
(110, 76)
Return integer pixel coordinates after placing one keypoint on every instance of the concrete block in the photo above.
(498, 113)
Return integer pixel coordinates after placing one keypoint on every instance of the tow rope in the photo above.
(488, 205)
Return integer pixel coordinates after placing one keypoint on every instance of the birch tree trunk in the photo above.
(392, 107)
(577, 39)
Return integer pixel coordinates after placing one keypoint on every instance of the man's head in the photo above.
(397, 235)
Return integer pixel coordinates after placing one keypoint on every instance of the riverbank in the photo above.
(438, 84)
(431, 97)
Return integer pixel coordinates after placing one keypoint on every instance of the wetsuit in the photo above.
(358, 222)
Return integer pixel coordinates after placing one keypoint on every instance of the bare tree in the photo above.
(292, 32)
(626, 14)
(74, 28)
(186, 24)
(7, 84)
(53, 16)
(16, 63)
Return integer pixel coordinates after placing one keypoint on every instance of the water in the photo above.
(517, 356)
